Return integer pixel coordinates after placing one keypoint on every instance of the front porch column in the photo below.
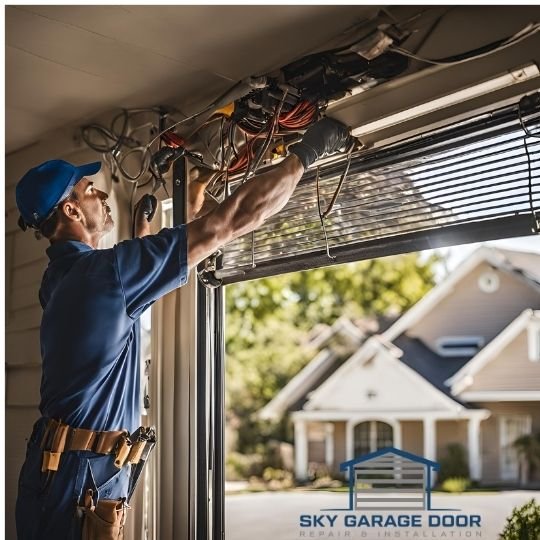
(430, 442)
(397, 434)
(430, 438)
(300, 450)
(329, 445)
(475, 461)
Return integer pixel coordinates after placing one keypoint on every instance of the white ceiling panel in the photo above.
(66, 64)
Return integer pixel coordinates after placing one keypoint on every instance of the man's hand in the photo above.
(198, 204)
(143, 214)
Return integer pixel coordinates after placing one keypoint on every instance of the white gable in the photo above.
(375, 380)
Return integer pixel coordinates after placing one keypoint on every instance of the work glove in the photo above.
(145, 210)
(324, 138)
(147, 206)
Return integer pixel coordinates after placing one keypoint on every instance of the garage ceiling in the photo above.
(65, 64)
(68, 64)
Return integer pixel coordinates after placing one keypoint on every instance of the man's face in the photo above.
(96, 214)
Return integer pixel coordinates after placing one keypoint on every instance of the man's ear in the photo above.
(71, 210)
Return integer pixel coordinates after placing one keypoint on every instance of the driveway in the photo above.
(276, 516)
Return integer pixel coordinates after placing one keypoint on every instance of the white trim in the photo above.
(387, 416)
(533, 339)
(430, 438)
(464, 377)
(502, 395)
(329, 444)
(343, 324)
(300, 450)
(454, 97)
(373, 346)
(473, 448)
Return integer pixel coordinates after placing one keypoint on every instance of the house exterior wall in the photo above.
(490, 434)
(412, 436)
(316, 442)
(340, 445)
(468, 311)
(510, 370)
(450, 432)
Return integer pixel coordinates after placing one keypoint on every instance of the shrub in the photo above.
(278, 478)
(243, 466)
(456, 485)
(454, 463)
(327, 482)
(523, 523)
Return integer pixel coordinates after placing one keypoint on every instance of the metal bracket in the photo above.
(206, 275)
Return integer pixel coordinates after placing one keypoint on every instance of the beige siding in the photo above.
(316, 442)
(316, 453)
(467, 311)
(340, 445)
(412, 437)
(490, 441)
(450, 432)
(510, 370)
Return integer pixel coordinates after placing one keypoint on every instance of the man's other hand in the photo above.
(144, 212)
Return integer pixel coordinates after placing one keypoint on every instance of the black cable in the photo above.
(528, 135)
(480, 52)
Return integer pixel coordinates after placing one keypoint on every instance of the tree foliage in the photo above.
(268, 321)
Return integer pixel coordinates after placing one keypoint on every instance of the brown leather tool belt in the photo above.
(59, 438)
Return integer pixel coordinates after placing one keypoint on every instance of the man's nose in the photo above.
(102, 195)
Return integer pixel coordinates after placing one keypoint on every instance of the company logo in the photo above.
(390, 479)
(387, 490)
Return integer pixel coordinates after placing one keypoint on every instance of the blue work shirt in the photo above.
(92, 300)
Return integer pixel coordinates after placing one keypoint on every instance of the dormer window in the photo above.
(459, 345)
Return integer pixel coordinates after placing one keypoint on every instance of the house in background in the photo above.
(461, 366)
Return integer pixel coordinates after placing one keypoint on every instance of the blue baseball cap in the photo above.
(44, 187)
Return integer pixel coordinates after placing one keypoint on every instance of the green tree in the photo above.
(268, 320)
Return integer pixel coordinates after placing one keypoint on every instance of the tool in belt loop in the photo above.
(54, 441)
(147, 436)
(122, 450)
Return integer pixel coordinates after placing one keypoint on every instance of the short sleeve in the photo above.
(152, 266)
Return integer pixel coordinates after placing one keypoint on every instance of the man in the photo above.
(78, 453)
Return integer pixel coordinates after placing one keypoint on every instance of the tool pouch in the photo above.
(104, 520)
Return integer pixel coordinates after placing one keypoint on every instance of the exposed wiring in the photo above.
(251, 170)
(321, 216)
(529, 135)
(191, 117)
(524, 33)
(328, 211)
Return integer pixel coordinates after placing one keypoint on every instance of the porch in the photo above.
(328, 439)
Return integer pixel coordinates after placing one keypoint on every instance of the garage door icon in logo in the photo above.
(390, 479)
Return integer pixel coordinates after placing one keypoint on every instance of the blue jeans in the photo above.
(46, 503)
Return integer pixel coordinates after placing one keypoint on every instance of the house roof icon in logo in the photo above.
(390, 479)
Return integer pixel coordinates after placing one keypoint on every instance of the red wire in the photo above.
(299, 117)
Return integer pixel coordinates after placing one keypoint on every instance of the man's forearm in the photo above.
(245, 210)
